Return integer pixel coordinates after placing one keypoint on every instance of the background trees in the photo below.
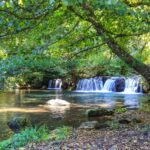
(59, 37)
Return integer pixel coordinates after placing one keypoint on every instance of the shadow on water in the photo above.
(33, 105)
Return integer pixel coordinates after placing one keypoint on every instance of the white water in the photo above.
(132, 85)
(109, 85)
(91, 84)
(55, 84)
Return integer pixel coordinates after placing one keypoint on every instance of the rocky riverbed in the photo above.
(125, 136)
(123, 139)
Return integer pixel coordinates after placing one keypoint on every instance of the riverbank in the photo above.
(130, 113)
(122, 139)
(126, 130)
(125, 137)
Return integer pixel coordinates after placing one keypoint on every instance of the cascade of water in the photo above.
(113, 84)
(55, 84)
(109, 85)
(91, 84)
(132, 85)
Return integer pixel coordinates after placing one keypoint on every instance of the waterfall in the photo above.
(91, 84)
(132, 85)
(113, 84)
(109, 85)
(55, 84)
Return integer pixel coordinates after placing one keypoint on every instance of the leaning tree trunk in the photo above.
(138, 66)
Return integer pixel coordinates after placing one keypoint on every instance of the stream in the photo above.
(32, 103)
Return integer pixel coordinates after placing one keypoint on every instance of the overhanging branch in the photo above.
(2, 36)
(86, 49)
(20, 17)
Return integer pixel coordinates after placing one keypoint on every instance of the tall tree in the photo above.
(111, 20)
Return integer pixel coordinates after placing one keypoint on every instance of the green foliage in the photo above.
(145, 128)
(14, 82)
(60, 133)
(26, 136)
(114, 124)
(35, 135)
(121, 110)
(49, 38)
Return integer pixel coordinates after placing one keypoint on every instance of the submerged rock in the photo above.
(58, 102)
(129, 120)
(17, 123)
(57, 117)
(102, 126)
(89, 125)
(99, 112)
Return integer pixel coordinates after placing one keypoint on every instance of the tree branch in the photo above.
(29, 27)
(30, 6)
(119, 35)
(81, 38)
(86, 49)
(11, 13)
(52, 43)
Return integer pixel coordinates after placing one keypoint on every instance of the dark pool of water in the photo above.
(33, 105)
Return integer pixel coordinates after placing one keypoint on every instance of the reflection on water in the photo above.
(132, 101)
(23, 110)
(57, 109)
(33, 105)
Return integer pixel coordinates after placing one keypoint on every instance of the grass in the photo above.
(60, 133)
(121, 110)
(35, 135)
(114, 124)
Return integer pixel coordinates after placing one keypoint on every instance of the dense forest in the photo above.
(73, 39)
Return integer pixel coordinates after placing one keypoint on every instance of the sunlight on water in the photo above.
(34, 105)
(23, 110)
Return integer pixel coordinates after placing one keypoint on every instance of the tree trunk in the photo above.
(138, 66)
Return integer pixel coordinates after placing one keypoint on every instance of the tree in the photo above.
(108, 22)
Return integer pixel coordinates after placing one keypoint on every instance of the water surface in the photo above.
(32, 103)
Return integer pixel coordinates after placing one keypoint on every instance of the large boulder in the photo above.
(18, 123)
(99, 112)
(89, 125)
(58, 102)
(120, 84)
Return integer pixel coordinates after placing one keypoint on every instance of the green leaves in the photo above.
(51, 38)
(60, 133)
(73, 2)
(34, 135)
(110, 2)
(26, 136)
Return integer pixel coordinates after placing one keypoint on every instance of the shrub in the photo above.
(30, 134)
(60, 133)
(114, 124)
(35, 135)
(121, 110)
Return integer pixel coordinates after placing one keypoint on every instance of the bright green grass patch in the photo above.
(28, 135)
(35, 135)
(121, 110)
